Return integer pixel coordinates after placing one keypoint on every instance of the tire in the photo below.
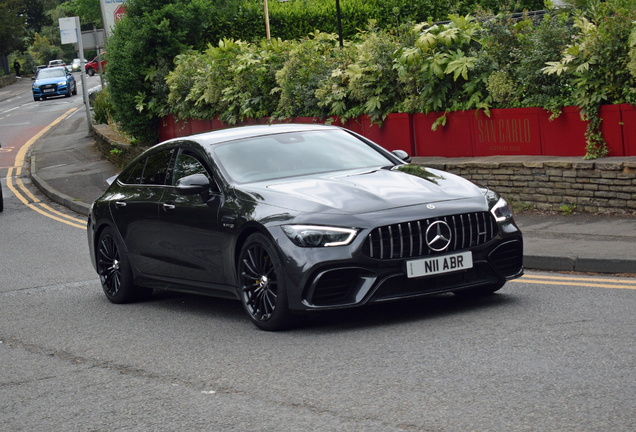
(1, 201)
(261, 284)
(74, 89)
(68, 92)
(36, 99)
(114, 270)
(90, 71)
(481, 291)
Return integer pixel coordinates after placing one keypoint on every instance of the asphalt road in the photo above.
(550, 352)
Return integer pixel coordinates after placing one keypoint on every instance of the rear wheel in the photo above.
(114, 270)
(480, 291)
(262, 284)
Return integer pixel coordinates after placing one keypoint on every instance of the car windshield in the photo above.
(51, 73)
(295, 154)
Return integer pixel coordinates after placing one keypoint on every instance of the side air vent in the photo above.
(508, 258)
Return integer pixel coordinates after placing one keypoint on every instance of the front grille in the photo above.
(334, 286)
(408, 239)
(49, 86)
(508, 258)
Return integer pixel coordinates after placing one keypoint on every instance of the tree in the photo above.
(12, 25)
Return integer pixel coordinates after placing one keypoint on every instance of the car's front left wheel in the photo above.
(114, 270)
(262, 284)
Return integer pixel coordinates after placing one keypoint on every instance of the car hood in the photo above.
(53, 80)
(362, 191)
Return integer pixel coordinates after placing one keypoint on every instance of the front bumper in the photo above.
(342, 277)
(50, 90)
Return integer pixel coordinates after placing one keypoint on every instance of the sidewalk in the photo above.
(67, 167)
(22, 85)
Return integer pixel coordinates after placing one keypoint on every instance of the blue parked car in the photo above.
(55, 81)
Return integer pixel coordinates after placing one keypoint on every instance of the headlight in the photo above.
(61, 83)
(502, 210)
(36, 86)
(319, 236)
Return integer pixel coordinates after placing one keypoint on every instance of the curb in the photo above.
(579, 264)
(60, 198)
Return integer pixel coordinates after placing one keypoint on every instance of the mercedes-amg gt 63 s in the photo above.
(296, 218)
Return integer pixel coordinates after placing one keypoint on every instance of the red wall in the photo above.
(510, 131)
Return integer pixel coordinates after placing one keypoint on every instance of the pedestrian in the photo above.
(16, 66)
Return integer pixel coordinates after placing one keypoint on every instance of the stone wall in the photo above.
(588, 186)
(6, 80)
(115, 147)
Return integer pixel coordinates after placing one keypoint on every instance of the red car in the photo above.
(93, 66)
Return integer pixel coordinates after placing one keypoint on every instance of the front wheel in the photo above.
(74, 89)
(262, 284)
(481, 291)
(114, 270)
(90, 71)
(36, 99)
(1, 200)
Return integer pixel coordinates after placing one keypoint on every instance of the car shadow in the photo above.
(344, 320)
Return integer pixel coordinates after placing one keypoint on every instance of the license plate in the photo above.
(49, 90)
(439, 264)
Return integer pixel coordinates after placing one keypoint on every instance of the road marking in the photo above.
(19, 187)
(578, 281)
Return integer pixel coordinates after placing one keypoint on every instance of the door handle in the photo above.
(120, 204)
(168, 206)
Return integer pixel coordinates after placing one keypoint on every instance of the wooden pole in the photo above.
(267, 21)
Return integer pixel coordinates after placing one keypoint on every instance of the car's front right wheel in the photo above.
(262, 284)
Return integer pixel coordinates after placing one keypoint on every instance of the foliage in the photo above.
(12, 25)
(141, 53)
(310, 62)
(103, 107)
(598, 60)
(438, 72)
(366, 81)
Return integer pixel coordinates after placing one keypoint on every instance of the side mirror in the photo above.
(402, 155)
(193, 184)
(33, 78)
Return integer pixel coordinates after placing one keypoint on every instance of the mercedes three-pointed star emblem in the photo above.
(438, 236)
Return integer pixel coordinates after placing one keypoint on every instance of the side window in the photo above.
(135, 175)
(186, 164)
(156, 167)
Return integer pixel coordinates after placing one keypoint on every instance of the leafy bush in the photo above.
(598, 61)
(103, 108)
(310, 62)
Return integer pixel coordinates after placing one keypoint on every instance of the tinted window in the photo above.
(187, 165)
(156, 167)
(134, 175)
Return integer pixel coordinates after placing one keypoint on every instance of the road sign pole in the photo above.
(89, 119)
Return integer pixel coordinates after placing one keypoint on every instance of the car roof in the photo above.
(230, 134)
(57, 67)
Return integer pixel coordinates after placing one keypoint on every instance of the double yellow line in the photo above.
(625, 283)
(25, 195)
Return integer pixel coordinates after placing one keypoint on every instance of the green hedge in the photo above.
(153, 33)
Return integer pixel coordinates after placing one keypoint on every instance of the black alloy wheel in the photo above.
(261, 284)
(75, 89)
(114, 270)
(68, 92)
